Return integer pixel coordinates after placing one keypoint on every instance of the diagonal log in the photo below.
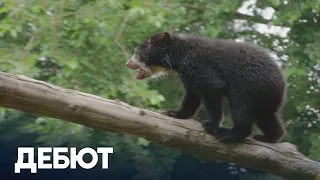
(43, 99)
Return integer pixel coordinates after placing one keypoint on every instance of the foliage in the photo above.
(259, 177)
(83, 45)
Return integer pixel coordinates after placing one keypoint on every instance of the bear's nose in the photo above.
(132, 64)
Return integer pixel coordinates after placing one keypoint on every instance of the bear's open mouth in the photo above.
(142, 74)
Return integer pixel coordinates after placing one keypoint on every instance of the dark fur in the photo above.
(211, 69)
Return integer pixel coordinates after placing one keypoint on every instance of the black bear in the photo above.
(210, 69)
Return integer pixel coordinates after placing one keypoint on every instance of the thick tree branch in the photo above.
(39, 98)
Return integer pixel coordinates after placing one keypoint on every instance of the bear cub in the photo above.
(213, 69)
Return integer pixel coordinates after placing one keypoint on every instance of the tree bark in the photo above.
(43, 99)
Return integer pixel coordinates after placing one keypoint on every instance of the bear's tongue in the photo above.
(140, 74)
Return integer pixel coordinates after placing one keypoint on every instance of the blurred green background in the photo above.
(84, 44)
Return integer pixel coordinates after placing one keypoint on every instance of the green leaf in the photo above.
(142, 142)
(72, 64)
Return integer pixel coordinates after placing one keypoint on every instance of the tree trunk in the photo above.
(40, 98)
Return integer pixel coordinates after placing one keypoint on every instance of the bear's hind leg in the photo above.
(271, 127)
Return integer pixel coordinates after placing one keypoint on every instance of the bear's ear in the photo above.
(163, 37)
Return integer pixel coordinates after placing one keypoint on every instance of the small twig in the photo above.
(29, 45)
(118, 37)
(122, 48)
(191, 6)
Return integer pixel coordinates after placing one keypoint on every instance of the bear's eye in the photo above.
(142, 57)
